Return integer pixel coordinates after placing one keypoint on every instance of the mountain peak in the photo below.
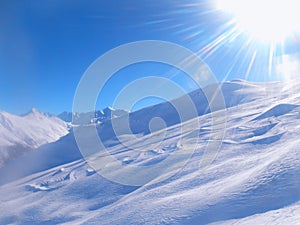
(34, 112)
(107, 109)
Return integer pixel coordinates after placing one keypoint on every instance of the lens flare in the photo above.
(265, 20)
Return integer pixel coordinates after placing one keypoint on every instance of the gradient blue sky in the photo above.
(45, 46)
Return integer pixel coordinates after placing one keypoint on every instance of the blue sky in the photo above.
(45, 46)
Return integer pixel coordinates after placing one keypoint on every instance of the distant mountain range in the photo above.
(94, 117)
(20, 134)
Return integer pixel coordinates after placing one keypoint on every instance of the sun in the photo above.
(265, 20)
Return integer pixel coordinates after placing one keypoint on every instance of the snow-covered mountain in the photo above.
(19, 134)
(67, 116)
(96, 117)
(255, 178)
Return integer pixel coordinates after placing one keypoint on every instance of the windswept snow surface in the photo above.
(255, 178)
(19, 134)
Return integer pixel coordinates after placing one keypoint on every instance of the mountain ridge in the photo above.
(20, 134)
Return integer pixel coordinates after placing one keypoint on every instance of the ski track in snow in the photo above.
(255, 178)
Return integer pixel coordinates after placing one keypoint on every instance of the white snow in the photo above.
(255, 178)
(19, 134)
(96, 117)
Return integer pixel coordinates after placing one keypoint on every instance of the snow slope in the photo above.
(253, 180)
(19, 134)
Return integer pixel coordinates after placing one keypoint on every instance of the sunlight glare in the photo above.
(266, 20)
(288, 67)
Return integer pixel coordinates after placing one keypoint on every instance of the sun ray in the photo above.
(249, 35)
(250, 64)
(271, 55)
